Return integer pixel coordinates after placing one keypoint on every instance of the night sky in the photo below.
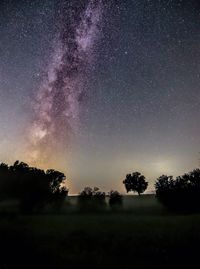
(98, 89)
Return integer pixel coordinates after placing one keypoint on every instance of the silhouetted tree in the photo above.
(91, 199)
(4, 179)
(31, 186)
(92, 193)
(182, 193)
(115, 198)
(86, 192)
(164, 183)
(135, 182)
(98, 195)
(164, 189)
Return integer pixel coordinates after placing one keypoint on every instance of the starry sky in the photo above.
(99, 89)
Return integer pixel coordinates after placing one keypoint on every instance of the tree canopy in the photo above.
(135, 182)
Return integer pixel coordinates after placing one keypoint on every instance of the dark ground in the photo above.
(140, 237)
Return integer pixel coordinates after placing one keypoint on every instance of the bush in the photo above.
(91, 199)
(115, 199)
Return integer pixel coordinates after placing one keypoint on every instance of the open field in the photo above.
(124, 239)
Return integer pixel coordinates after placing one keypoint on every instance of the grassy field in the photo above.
(143, 234)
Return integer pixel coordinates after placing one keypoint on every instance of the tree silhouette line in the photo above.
(94, 199)
(34, 188)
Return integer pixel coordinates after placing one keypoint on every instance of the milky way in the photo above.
(58, 100)
(99, 89)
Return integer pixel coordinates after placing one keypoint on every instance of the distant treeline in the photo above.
(34, 188)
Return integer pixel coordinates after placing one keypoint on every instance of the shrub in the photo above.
(91, 199)
(115, 198)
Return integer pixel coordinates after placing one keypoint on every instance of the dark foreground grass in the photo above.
(106, 240)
